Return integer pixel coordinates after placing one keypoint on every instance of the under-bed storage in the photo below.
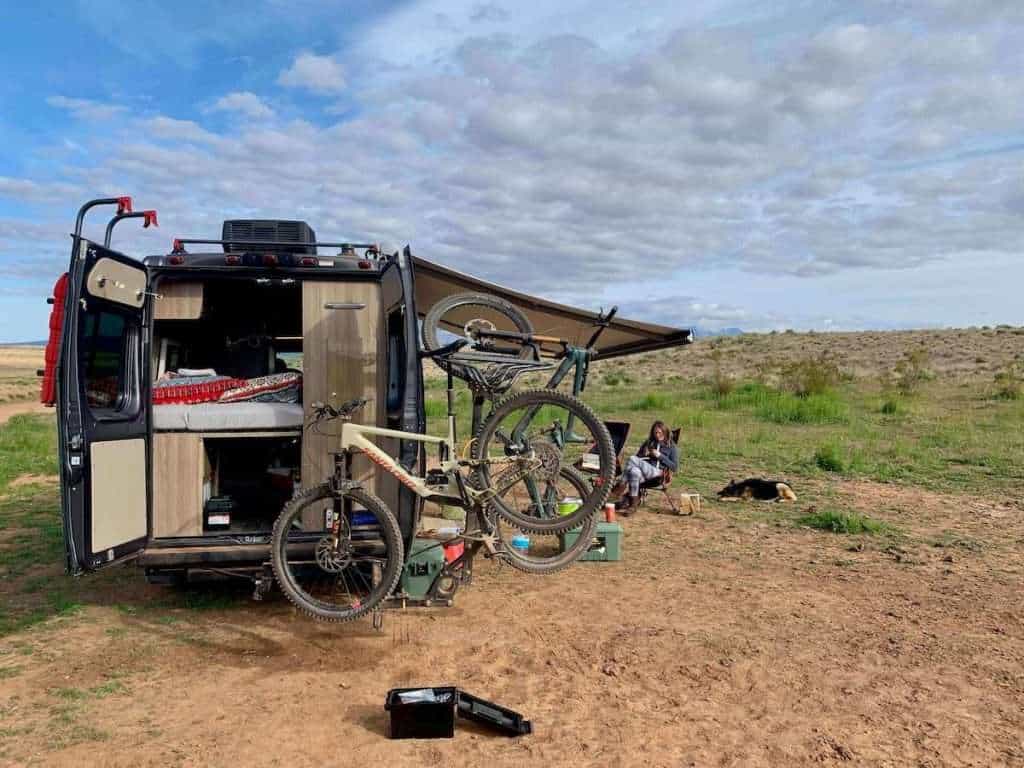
(248, 475)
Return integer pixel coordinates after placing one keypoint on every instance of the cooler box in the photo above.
(607, 545)
(425, 561)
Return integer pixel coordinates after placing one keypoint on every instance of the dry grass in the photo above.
(18, 366)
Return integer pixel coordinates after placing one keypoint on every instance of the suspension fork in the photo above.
(579, 359)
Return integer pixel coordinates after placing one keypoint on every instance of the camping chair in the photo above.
(619, 431)
(662, 483)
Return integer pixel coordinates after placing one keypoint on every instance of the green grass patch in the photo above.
(843, 522)
(653, 401)
(28, 445)
(829, 458)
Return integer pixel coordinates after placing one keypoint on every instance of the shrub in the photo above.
(912, 371)
(814, 376)
(891, 407)
(721, 383)
(1010, 381)
(785, 408)
(840, 522)
(829, 458)
(616, 378)
(652, 401)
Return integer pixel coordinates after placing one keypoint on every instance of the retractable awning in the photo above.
(621, 337)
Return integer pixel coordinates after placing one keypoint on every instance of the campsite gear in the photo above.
(367, 566)
(217, 513)
(422, 713)
(689, 503)
(609, 512)
(425, 561)
(429, 713)
(453, 550)
(605, 545)
(569, 505)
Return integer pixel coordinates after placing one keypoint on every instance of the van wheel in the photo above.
(343, 577)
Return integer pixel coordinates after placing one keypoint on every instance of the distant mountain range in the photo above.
(703, 333)
(23, 343)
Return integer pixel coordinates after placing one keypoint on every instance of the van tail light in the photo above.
(232, 259)
(365, 264)
(269, 259)
(176, 259)
(309, 261)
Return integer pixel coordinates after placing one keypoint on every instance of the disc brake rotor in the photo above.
(333, 558)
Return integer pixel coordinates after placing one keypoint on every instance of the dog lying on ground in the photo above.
(757, 489)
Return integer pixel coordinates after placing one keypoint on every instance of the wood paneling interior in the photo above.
(179, 469)
(179, 300)
(343, 357)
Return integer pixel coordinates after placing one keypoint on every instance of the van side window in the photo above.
(396, 365)
(106, 375)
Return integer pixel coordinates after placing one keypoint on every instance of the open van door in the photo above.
(103, 416)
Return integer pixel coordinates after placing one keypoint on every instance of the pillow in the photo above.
(276, 388)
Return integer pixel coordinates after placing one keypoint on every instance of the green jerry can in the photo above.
(606, 546)
(425, 561)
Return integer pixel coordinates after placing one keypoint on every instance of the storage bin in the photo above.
(425, 561)
(607, 545)
(422, 713)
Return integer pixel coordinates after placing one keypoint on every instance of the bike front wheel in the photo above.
(522, 447)
(336, 554)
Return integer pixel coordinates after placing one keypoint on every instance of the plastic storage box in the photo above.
(422, 713)
(425, 561)
(607, 545)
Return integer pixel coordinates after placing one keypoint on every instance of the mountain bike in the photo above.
(337, 549)
(495, 329)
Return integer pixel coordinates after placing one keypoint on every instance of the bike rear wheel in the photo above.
(526, 441)
(461, 313)
(544, 553)
(336, 578)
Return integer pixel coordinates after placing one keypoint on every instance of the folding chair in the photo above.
(619, 431)
(662, 483)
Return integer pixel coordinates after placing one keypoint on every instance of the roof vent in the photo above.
(237, 232)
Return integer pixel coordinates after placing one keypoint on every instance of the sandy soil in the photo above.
(718, 641)
(7, 410)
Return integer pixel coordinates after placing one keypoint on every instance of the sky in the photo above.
(716, 163)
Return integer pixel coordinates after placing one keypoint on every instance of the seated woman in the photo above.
(656, 455)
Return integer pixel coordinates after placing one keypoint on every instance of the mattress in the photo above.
(214, 417)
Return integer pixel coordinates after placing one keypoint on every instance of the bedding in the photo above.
(214, 417)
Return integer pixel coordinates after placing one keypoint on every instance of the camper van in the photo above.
(181, 382)
(184, 384)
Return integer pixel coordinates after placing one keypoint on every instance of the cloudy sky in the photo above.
(804, 164)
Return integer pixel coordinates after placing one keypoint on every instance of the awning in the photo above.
(621, 337)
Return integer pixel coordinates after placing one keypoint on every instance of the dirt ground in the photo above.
(724, 639)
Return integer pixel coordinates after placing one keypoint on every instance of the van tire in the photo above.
(389, 532)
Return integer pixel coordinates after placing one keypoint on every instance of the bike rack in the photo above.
(123, 203)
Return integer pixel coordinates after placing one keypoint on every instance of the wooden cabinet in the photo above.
(179, 465)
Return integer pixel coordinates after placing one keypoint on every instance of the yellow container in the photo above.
(568, 505)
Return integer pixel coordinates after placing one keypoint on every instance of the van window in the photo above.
(104, 363)
(396, 365)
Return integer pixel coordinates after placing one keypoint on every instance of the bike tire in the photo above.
(432, 322)
(602, 481)
(288, 580)
(529, 563)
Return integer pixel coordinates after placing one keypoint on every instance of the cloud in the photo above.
(243, 103)
(593, 170)
(319, 74)
(86, 109)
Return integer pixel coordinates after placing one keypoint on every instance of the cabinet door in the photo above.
(342, 358)
(178, 468)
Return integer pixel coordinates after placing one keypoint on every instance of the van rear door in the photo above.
(103, 416)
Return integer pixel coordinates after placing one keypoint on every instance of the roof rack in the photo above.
(180, 242)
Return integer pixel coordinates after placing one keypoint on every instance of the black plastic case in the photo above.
(422, 713)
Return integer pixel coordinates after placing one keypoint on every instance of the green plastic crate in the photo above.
(425, 561)
(607, 546)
